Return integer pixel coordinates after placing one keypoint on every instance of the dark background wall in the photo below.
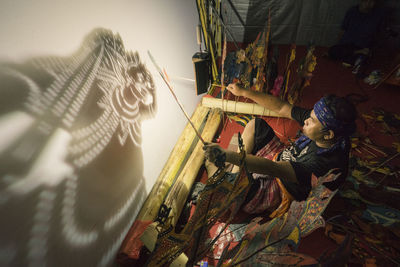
(296, 21)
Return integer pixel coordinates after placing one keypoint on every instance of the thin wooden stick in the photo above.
(223, 89)
(223, 72)
(387, 76)
(176, 98)
(383, 163)
(374, 148)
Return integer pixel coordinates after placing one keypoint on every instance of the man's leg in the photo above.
(337, 52)
(344, 52)
(248, 136)
(248, 140)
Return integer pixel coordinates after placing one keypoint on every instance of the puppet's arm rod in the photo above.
(176, 98)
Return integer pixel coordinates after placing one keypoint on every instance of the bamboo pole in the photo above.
(178, 195)
(180, 190)
(172, 168)
(175, 161)
(238, 107)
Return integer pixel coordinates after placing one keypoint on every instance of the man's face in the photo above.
(366, 6)
(313, 128)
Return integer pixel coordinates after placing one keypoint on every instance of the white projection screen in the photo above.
(71, 164)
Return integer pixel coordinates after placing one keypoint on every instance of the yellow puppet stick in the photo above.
(223, 73)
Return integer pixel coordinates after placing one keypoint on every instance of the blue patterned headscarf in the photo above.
(327, 118)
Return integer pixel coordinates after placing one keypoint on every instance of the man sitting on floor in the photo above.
(284, 174)
(359, 28)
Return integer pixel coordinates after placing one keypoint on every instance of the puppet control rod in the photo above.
(176, 98)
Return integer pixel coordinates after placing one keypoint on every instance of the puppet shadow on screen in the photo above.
(71, 172)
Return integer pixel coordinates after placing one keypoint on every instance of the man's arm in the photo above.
(254, 164)
(273, 103)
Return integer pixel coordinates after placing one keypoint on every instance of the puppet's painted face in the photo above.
(130, 92)
(133, 93)
(313, 128)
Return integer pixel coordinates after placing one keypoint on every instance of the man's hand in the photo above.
(236, 89)
(215, 154)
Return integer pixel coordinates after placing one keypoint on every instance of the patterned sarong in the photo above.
(271, 195)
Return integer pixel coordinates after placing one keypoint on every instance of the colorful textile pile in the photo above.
(371, 194)
(273, 242)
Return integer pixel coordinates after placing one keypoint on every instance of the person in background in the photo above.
(283, 174)
(359, 29)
